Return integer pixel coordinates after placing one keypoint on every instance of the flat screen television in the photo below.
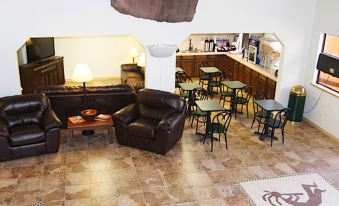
(39, 48)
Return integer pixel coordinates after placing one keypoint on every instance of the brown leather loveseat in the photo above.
(28, 126)
(155, 122)
(69, 100)
(133, 75)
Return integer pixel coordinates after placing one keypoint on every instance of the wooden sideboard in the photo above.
(48, 72)
(233, 68)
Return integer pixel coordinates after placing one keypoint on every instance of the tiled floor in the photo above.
(96, 173)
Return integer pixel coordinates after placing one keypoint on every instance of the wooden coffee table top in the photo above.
(89, 124)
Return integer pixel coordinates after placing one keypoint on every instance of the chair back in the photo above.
(200, 94)
(25, 109)
(281, 117)
(222, 119)
(183, 78)
(245, 93)
(156, 104)
(203, 64)
(258, 96)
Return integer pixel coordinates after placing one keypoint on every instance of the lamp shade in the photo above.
(133, 53)
(142, 60)
(82, 73)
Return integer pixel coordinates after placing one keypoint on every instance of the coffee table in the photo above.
(90, 125)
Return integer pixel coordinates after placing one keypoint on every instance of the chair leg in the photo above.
(253, 122)
(282, 134)
(225, 139)
(259, 126)
(272, 136)
(192, 120)
(196, 126)
(212, 142)
(219, 137)
(247, 110)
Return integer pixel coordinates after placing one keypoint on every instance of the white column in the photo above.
(160, 73)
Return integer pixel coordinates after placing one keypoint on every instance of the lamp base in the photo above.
(87, 132)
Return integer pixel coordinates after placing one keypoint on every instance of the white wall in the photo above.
(326, 113)
(104, 55)
(291, 20)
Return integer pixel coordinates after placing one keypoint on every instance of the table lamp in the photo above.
(133, 53)
(82, 73)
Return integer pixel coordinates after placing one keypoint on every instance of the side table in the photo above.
(90, 125)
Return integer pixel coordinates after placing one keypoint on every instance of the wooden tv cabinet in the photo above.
(45, 73)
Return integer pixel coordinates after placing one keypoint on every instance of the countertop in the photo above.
(238, 57)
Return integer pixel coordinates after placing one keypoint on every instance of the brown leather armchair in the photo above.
(28, 126)
(133, 75)
(155, 122)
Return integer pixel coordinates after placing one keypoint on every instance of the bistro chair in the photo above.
(219, 125)
(183, 78)
(278, 122)
(180, 77)
(259, 113)
(242, 98)
(203, 78)
(215, 82)
(198, 115)
(226, 93)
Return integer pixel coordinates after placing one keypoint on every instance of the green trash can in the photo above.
(296, 102)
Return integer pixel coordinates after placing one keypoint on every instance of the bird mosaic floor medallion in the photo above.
(307, 189)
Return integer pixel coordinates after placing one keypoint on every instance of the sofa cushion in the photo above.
(26, 134)
(143, 127)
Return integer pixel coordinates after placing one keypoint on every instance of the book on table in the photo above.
(103, 117)
(76, 119)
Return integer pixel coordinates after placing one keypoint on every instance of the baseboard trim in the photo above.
(320, 128)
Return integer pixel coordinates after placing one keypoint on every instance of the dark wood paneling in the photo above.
(46, 73)
(231, 67)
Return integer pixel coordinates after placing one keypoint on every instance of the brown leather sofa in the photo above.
(28, 126)
(68, 100)
(155, 122)
(133, 75)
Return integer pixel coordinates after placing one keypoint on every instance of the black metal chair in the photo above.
(242, 98)
(183, 78)
(197, 114)
(259, 114)
(226, 93)
(278, 122)
(203, 78)
(215, 82)
(219, 124)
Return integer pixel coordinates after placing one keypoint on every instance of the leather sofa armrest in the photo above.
(3, 128)
(127, 114)
(170, 122)
(50, 120)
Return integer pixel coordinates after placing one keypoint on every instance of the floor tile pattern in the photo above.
(93, 172)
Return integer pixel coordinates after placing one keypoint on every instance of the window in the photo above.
(330, 46)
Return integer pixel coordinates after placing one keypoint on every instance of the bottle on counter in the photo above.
(211, 45)
(206, 45)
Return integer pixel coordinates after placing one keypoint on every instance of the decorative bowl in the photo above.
(89, 114)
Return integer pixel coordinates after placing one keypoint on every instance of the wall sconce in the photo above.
(162, 50)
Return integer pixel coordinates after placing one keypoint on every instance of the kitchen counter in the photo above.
(238, 57)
